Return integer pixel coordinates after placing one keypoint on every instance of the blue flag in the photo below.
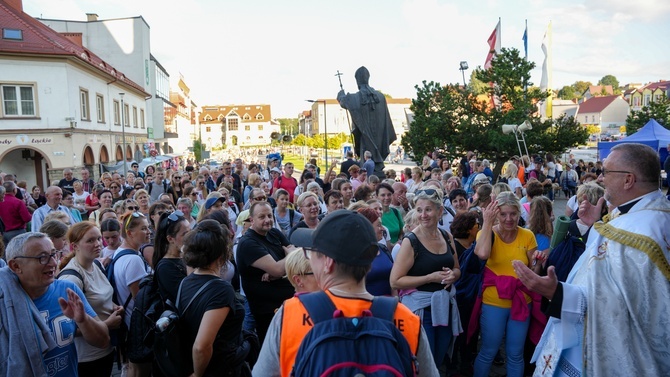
(525, 41)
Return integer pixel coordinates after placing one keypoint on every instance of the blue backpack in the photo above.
(369, 345)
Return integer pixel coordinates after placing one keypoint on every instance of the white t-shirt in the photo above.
(514, 183)
(98, 293)
(551, 169)
(80, 200)
(128, 270)
(573, 204)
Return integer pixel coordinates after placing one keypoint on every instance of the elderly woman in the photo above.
(416, 178)
(105, 201)
(142, 198)
(504, 307)
(299, 273)
(426, 268)
(308, 205)
(80, 269)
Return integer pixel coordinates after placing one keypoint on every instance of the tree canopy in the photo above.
(453, 120)
(611, 80)
(659, 110)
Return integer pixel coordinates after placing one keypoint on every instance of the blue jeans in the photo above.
(439, 338)
(249, 323)
(495, 323)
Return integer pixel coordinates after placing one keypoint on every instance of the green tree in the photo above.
(198, 147)
(568, 92)
(453, 121)
(288, 126)
(611, 80)
(659, 110)
(580, 87)
(477, 86)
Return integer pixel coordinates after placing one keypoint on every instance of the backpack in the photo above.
(119, 336)
(369, 345)
(148, 308)
(151, 184)
(172, 352)
(470, 282)
(73, 272)
(564, 256)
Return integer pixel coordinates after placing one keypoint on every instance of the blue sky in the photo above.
(283, 52)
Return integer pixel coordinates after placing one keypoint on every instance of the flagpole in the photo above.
(525, 42)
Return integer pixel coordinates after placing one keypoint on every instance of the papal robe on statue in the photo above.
(372, 127)
(615, 318)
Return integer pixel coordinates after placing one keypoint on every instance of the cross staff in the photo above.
(339, 77)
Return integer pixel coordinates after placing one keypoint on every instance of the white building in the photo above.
(236, 125)
(126, 44)
(61, 104)
(608, 112)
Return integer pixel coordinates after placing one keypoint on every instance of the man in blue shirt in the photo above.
(49, 320)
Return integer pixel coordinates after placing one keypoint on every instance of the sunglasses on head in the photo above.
(428, 192)
(136, 215)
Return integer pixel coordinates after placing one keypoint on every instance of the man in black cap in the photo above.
(340, 252)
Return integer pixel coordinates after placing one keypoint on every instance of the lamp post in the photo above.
(123, 134)
(463, 67)
(325, 126)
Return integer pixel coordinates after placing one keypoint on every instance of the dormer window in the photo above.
(12, 34)
(259, 116)
(246, 117)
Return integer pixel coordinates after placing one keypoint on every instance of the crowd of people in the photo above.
(243, 244)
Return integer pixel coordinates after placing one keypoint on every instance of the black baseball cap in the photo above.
(343, 235)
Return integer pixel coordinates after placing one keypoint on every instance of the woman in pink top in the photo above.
(505, 304)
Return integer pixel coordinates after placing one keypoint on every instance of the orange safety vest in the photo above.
(296, 324)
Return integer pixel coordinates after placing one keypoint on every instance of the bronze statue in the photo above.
(372, 127)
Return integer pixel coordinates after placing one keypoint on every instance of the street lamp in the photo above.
(123, 134)
(325, 126)
(464, 66)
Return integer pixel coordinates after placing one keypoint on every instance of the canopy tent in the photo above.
(652, 134)
(142, 164)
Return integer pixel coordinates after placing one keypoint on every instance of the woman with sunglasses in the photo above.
(129, 270)
(115, 188)
(504, 307)
(79, 268)
(142, 198)
(189, 192)
(426, 268)
(169, 269)
(177, 188)
(201, 188)
(105, 201)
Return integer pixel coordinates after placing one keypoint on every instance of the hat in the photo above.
(480, 178)
(333, 238)
(210, 202)
(274, 159)
(538, 160)
(275, 170)
(242, 217)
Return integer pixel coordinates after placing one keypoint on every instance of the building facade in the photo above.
(608, 112)
(62, 105)
(236, 126)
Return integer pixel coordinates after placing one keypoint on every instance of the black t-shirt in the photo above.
(264, 297)
(67, 185)
(427, 262)
(344, 168)
(217, 295)
(169, 273)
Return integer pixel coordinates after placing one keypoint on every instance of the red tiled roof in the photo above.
(39, 39)
(597, 89)
(596, 104)
(655, 85)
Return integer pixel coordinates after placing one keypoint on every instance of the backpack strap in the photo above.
(384, 307)
(97, 263)
(73, 272)
(291, 215)
(197, 293)
(318, 305)
(397, 215)
(149, 186)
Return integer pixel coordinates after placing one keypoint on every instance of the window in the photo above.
(142, 118)
(117, 113)
(15, 34)
(259, 116)
(647, 99)
(83, 105)
(18, 100)
(100, 104)
(126, 115)
(208, 117)
(586, 118)
(593, 119)
(233, 124)
(208, 129)
(260, 127)
(134, 116)
(246, 117)
(247, 128)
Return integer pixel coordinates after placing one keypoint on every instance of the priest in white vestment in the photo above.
(612, 316)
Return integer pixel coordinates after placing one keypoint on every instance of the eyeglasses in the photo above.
(130, 218)
(133, 208)
(605, 171)
(194, 194)
(43, 259)
(307, 273)
(307, 252)
(176, 177)
(260, 198)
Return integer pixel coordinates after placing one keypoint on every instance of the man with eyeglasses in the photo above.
(136, 170)
(54, 196)
(37, 335)
(610, 317)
